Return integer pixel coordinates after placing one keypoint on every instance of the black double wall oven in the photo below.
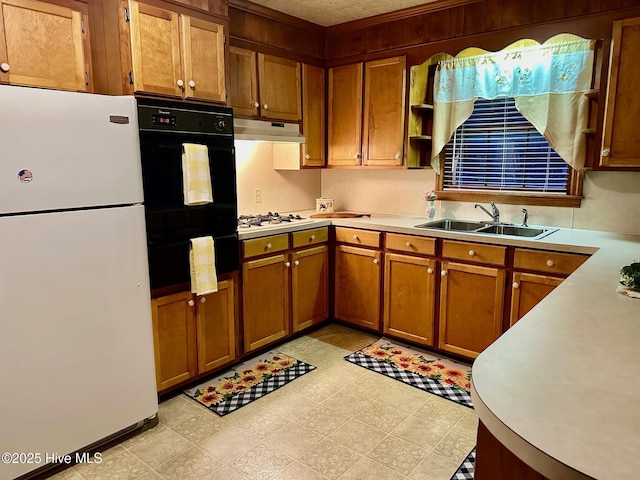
(164, 127)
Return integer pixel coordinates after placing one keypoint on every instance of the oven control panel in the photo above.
(184, 118)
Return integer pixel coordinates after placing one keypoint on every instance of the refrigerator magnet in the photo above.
(25, 176)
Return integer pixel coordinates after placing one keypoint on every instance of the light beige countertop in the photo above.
(561, 388)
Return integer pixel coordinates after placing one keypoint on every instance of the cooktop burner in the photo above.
(246, 221)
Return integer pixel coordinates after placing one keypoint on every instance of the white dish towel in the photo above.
(202, 260)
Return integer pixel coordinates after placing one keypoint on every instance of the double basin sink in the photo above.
(505, 229)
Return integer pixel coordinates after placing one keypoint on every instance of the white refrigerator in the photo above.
(76, 342)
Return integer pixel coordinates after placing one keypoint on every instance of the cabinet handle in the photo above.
(397, 155)
(191, 303)
(265, 106)
(429, 270)
(357, 155)
(256, 104)
(606, 152)
(443, 273)
(408, 244)
(550, 263)
(312, 237)
(375, 261)
(180, 83)
(268, 246)
(5, 67)
(287, 264)
(515, 285)
(192, 84)
(472, 253)
(297, 262)
(355, 237)
(307, 156)
(203, 299)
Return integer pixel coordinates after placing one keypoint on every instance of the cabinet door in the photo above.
(216, 327)
(265, 300)
(279, 84)
(409, 298)
(620, 147)
(345, 114)
(203, 59)
(174, 338)
(383, 129)
(313, 117)
(527, 290)
(155, 44)
(471, 300)
(243, 87)
(309, 286)
(42, 44)
(357, 286)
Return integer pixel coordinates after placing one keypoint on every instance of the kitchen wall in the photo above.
(282, 190)
(611, 199)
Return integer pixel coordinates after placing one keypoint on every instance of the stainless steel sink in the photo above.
(487, 228)
(516, 231)
(456, 225)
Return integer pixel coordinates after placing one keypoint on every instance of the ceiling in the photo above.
(333, 12)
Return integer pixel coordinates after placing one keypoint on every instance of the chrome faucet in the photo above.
(496, 213)
(525, 217)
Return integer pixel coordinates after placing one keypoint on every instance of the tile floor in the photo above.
(339, 421)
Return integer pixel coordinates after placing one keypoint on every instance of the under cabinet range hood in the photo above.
(266, 131)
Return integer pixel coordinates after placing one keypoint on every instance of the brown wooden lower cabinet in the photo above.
(266, 300)
(358, 277)
(495, 462)
(193, 334)
(527, 290)
(471, 303)
(309, 286)
(409, 298)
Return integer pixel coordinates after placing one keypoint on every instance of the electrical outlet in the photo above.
(257, 195)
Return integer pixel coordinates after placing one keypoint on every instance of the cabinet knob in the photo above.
(355, 237)
(5, 67)
(307, 156)
(265, 106)
(429, 270)
(472, 253)
(192, 84)
(297, 262)
(256, 104)
(606, 152)
(397, 155)
(269, 246)
(550, 263)
(180, 83)
(203, 299)
(287, 264)
(443, 273)
(375, 261)
(515, 285)
(408, 244)
(191, 303)
(312, 237)
(357, 155)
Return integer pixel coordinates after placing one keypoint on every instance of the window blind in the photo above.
(498, 149)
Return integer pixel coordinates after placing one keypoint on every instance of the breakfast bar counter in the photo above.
(560, 389)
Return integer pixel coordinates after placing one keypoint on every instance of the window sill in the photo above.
(513, 198)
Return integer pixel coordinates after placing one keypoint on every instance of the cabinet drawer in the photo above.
(261, 246)
(306, 238)
(549, 262)
(355, 236)
(411, 244)
(474, 252)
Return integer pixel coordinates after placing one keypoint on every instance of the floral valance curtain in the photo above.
(548, 82)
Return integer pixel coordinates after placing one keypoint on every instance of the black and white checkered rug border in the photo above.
(410, 378)
(259, 390)
(465, 471)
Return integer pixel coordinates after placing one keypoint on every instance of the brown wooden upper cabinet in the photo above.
(366, 113)
(44, 44)
(313, 118)
(620, 147)
(176, 55)
(264, 85)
